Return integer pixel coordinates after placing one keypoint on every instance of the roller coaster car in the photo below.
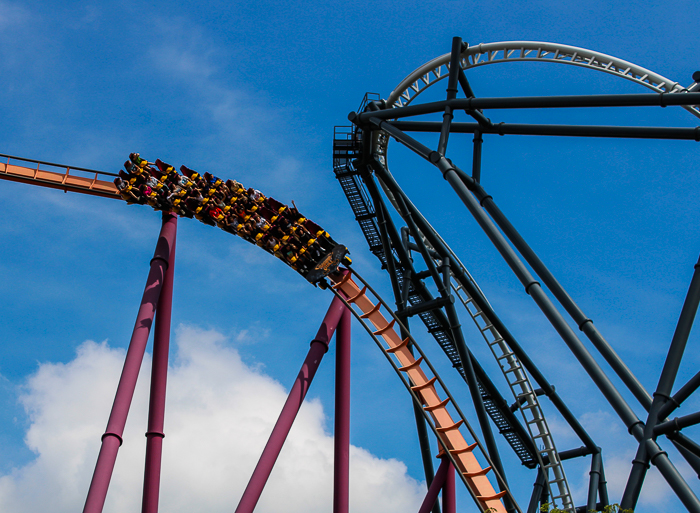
(327, 264)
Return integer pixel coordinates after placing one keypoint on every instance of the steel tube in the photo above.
(625, 132)
(663, 389)
(319, 346)
(682, 442)
(341, 465)
(384, 224)
(533, 288)
(660, 460)
(112, 439)
(677, 424)
(452, 81)
(476, 157)
(582, 321)
(159, 379)
(538, 488)
(680, 336)
(680, 396)
(534, 102)
(594, 479)
(537, 375)
(466, 357)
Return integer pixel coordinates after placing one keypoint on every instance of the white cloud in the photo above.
(219, 415)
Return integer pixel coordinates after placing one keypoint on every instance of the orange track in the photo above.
(55, 180)
(447, 428)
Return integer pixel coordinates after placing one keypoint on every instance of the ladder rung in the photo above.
(519, 381)
(355, 298)
(504, 355)
(403, 343)
(478, 473)
(441, 404)
(373, 310)
(342, 282)
(412, 365)
(450, 428)
(428, 383)
(469, 448)
(484, 498)
(386, 328)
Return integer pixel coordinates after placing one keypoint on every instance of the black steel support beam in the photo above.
(476, 156)
(533, 102)
(464, 354)
(663, 390)
(539, 489)
(421, 427)
(452, 81)
(484, 306)
(532, 287)
(584, 323)
(594, 480)
(630, 132)
(677, 424)
(680, 396)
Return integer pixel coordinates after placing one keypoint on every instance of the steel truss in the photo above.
(360, 164)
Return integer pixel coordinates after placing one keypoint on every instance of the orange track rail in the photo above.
(448, 430)
(59, 180)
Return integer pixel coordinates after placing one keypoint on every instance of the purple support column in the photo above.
(341, 475)
(318, 348)
(159, 378)
(449, 501)
(435, 486)
(112, 438)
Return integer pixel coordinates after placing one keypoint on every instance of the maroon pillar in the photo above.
(435, 486)
(341, 474)
(318, 348)
(449, 501)
(112, 438)
(159, 378)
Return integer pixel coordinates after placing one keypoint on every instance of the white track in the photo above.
(532, 51)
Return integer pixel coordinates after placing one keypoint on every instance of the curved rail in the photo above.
(424, 391)
(532, 51)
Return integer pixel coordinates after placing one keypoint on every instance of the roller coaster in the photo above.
(428, 281)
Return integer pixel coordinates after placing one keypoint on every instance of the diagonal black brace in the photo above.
(451, 94)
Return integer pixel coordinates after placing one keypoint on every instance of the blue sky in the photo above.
(252, 91)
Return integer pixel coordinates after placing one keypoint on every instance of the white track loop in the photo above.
(532, 51)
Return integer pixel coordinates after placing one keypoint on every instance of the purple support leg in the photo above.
(159, 378)
(318, 348)
(112, 438)
(435, 486)
(341, 475)
(449, 501)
